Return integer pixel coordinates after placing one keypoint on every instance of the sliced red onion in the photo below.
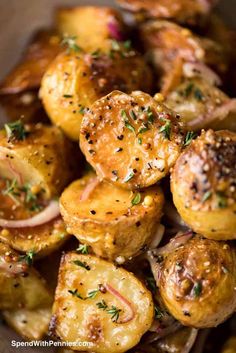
(157, 237)
(115, 31)
(196, 69)
(49, 213)
(89, 189)
(190, 342)
(17, 175)
(124, 301)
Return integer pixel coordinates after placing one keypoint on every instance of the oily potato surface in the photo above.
(198, 281)
(102, 215)
(131, 140)
(203, 185)
(89, 319)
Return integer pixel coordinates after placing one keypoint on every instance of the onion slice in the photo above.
(89, 189)
(197, 69)
(191, 340)
(124, 301)
(49, 213)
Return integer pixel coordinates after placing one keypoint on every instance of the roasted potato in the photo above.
(203, 185)
(115, 222)
(72, 83)
(28, 73)
(184, 11)
(100, 303)
(131, 140)
(38, 155)
(201, 104)
(198, 281)
(230, 345)
(93, 27)
(20, 285)
(29, 324)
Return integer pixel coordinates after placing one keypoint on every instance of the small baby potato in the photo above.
(203, 185)
(29, 324)
(202, 105)
(27, 75)
(99, 303)
(115, 222)
(38, 155)
(93, 27)
(198, 282)
(20, 285)
(131, 140)
(74, 82)
(184, 11)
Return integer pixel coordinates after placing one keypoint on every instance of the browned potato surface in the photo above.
(197, 282)
(230, 345)
(100, 303)
(115, 222)
(29, 71)
(203, 185)
(131, 140)
(74, 82)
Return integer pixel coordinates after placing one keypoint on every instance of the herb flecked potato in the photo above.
(115, 222)
(203, 184)
(100, 303)
(131, 140)
(75, 81)
(20, 285)
(198, 282)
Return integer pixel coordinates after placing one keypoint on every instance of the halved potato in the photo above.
(114, 312)
(73, 82)
(20, 285)
(29, 324)
(115, 222)
(131, 140)
(93, 26)
(42, 157)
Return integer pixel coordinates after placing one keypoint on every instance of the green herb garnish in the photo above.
(15, 131)
(137, 199)
(198, 94)
(158, 312)
(197, 289)
(102, 305)
(189, 137)
(82, 264)
(150, 115)
(140, 141)
(92, 294)
(133, 115)
(67, 96)
(114, 312)
(128, 177)
(28, 257)
(75, 293)
(206, 196)
(166, 129)
(96, 54)
(222, 201)
(70, 43)
(83, 249)
(151, 284)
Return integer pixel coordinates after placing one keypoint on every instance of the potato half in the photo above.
(100, 303)
(115, 222)
(131, 140)
(203, 185)
(73, 82)
(198, 282)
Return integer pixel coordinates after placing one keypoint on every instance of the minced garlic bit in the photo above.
(120, 260)
(148, 200)
(5, 232)
(159, 97)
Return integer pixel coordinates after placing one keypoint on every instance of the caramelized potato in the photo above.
(20, 285)
(28, 73)
(29, 324)
(72, 83)
(93, 26)
(203, 185)
(197, 282)
(100, 303)
(115, 222)
(131, 140)
(40, 156)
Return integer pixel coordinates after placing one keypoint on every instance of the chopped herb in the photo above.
(158, 312)
(189, 137)
(92, 294)
(129, 126)
(82, 264)
(143, 129)
(114, 312)
(96, 54)
(133, 115)
(82, 110)
(83, 249)
(67, 96)
(127, 44)
(12, 190)
(124, 115)
(140, 141)
(150, 115)
(75, 293)
(206, 196)
(15, 131)
(102, 305)
(188, 90)
(197, 289)
(28, 257)
(166, 129)
(198, 94)
(222, 201)
(137, 199)
(128, 177)
(70, 43)
(151, 283)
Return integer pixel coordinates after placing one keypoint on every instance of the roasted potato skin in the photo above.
(145, 154)
(76, 319)
(107, 220)
(74, 82)
(38, 158)
(27, 75)
(203, 185)
(198, 282)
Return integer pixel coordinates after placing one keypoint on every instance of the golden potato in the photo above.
(29, 324)
(131, 140)
(202, 105)
(37, 155)
(73, 82)
(203, 185)
(20, 285)
(28, 73)
(230, 345)
(115, 222)
(198, 282)
(181, 10)
(93, 27)
(100, 303)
